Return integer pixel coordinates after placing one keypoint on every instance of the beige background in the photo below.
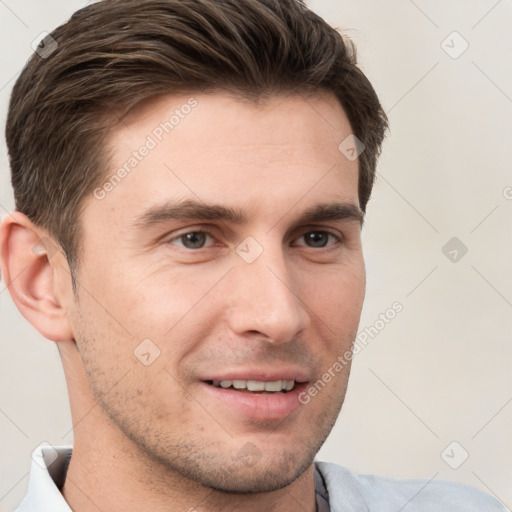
(440, 371)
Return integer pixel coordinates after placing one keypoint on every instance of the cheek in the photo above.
(133, 304)
(126, 319)
(127, 372)
(337, 296)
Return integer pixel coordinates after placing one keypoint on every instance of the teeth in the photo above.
(254, 385)
(275, 386)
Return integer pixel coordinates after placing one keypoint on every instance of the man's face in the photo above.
(269, 294)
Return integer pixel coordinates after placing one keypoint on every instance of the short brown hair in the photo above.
(113, 54)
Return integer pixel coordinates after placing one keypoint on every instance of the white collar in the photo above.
(47, 474)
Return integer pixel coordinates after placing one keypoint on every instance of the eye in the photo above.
(192, 240)
(318, 239)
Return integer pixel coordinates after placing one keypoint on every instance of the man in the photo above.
(191, 178)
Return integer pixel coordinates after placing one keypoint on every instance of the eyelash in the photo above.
(206, 232)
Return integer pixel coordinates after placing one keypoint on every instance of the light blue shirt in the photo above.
(337, 488)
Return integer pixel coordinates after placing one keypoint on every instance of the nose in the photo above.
(265, 299)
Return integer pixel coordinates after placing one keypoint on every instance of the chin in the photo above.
(265, 476)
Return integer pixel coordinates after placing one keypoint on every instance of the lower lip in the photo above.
(262, 407)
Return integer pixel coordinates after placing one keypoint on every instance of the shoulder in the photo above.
(381, 494)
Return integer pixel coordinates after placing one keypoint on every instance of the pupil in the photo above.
(317, 239)
(194, 240)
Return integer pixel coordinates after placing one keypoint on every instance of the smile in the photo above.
(255, 386)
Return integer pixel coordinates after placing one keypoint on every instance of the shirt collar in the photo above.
(47, 475)
(341, 488)
(322, 495)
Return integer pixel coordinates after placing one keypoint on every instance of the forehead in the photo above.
(215, 148)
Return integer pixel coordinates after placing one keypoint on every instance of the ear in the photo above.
(29, 259)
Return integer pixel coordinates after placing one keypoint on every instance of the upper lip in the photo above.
(261, 375)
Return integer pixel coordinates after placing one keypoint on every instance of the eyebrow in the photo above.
(332, 211)
(191, 209)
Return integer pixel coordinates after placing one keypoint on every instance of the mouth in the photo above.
(260, 396)
(255, 386)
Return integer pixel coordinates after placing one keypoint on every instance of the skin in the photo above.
(150, 436)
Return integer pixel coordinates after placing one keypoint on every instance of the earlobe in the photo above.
(28, 259)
